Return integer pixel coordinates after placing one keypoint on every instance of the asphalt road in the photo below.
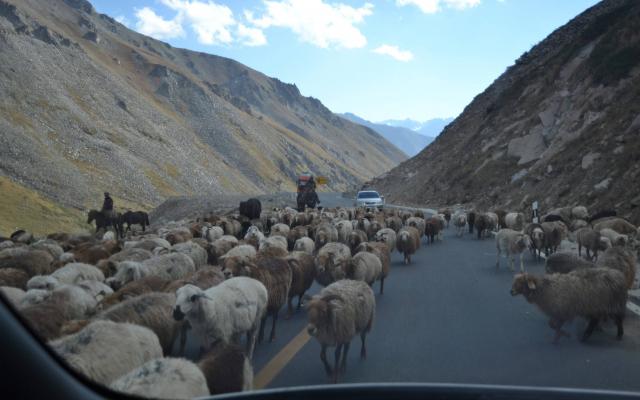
(449, 317)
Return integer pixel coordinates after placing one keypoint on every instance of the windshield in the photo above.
(473, 216)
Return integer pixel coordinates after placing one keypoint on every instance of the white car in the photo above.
(369, 198)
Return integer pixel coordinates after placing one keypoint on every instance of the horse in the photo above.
(135, 217)
(103, 222)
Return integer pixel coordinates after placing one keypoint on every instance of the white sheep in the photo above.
(243, 251)
(14, 295)
(388, 236)
(280, 229)
(170, 266)
(511, 243)
(223, 312)
(514, 221)
(344, 228)
(49, 245)
(460, 221)
(366, 267)
(197, 253)
(70, 273)
(305, 244)
(164, 378)
(274, 241)
(104, 351)
(579, 212)
(617, 239)
(212, 233)
(253, 233)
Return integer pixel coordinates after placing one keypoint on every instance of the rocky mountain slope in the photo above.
(408, 141)
(87, 105)
(561, 126)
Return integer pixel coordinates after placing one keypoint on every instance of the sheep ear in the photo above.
(531, 284)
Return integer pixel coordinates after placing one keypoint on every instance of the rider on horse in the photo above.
(107, 207)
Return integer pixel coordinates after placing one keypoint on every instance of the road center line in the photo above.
(277, 363)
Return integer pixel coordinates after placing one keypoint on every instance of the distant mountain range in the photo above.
(431, 127)
(403, 138)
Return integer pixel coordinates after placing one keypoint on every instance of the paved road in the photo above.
(449, 317)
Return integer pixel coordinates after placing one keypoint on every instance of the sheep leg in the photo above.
(619, 318)
(512, 262)
(363, 348)
(498, 258)
(323, 358)
(290, 307)
(251, 341)
(274, 319)
(521, 264)
(262, 324)
(557, 326)
(336, 363)
(382, 285)
(593, 322)
(299, 301)
(345, 350)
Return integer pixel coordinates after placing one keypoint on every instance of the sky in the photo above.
(386, 59)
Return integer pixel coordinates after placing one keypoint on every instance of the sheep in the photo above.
(394, 223)
(363, 224)
(459, 221)
(46, 318)
(91, 254)
(164, 378)
(485, 223)
(344, 228)
(617, 224)
(33, 262)
(511, 242)
(132, 289)
(342, 310)
(50, 246)
(500, 221)
(418, 223)
(622, 260)
(590, 240)
(276, 275)
(601, 215)
(536, 234)
(471, 219)
(35, 296)
(13, 277)
(303, 272)
(254, 235)
(105, 350)
(204, 278)
(220, 247)
(554, 231)
(579, 212)
(326, 233)
(303, 244)
(274, 241)
(387, 236)
(373, 228)
(226, 369)
(366, 267)
(408, 242)
(96, 289)
(447, 216)
(591, 293)
(577, 224)
(70, 273)
(13, 295)
(169, 266)
(22, 236)
(212, 233)
(331, 262)
(355, 238)
(147, 244)
(151, 310)
(280, 229)
(223, 312)
(109, 266)
(514, 221)
(432, 229)
(380, 250)
(299, 219)
(616, 238)
(562, 263)
(197, 253)
(296, 233)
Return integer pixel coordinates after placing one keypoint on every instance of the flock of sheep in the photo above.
(116, 310)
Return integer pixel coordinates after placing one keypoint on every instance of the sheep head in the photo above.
(319, 312)
(43, 282)
(235, 266)
(523, 284)
(188, 300)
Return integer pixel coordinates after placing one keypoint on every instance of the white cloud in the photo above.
(151, 24)
(251, 36)
(433, 6)
(123, 20)
(316, 22)
(394, 52)
(211, 22)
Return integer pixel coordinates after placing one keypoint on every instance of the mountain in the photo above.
(87, 105)
(405, 139)
(560, 126)
(431, 127)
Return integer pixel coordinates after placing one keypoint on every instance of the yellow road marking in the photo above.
(277, 363)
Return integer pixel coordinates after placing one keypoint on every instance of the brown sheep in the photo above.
(501, 218)
(231, 227)
(296, 233)
(13, 277)
(408, 242)
(381, 250)
(354, 239)
(275, 274)
(226, 369)
(146, 284)
(622, 260)
(303, 272)
(48, 317)
(394, 223)
(33, 262)
(93, 254)
(431, 229)
(178, 236)
(590, 240)
(617, 224)
(204, 278)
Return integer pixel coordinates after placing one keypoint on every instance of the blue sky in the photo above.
(384, 59)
